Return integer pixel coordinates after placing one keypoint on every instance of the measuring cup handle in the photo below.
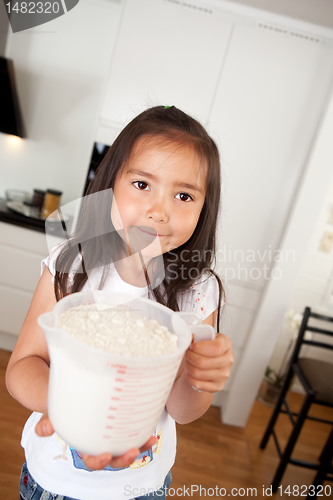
(190, 319)
(201, 332)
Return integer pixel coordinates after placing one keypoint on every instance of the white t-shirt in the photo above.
(59, 469)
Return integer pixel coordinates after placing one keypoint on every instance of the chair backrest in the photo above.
(305, 327)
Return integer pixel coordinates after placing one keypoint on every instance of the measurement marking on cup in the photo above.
(140, 393)
(125, 411)
(134, 387)
(136, 371)
(119, 430)
(123, 421)
(139, 372)
(129, 400)
(147, 393)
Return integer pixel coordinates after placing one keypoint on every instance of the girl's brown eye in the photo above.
(141, 185)
(184, 197)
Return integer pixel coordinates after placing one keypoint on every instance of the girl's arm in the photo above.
(204, 371)
(27, 373)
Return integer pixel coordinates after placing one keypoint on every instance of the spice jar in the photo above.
(51, 202)
(38, 199)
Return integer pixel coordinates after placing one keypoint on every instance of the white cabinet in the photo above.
(21, 253)
(269, 101)
(165, 54)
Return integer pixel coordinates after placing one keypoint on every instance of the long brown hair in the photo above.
(104, 244)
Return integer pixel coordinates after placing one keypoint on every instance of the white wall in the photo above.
(3, 29)
(314, 284)
(277, 295)
(60, 70)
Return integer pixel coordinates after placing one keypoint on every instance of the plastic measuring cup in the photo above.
(101, 402)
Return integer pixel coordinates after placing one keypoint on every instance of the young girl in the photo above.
(161, 180)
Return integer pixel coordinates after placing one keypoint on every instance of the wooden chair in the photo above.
(316, 377)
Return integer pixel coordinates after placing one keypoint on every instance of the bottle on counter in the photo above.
(51, 202)
(38, 199)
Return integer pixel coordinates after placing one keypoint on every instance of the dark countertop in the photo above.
(11, 217)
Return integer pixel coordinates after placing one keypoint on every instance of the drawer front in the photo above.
(14, 305)
(19, 269)
(26, 239)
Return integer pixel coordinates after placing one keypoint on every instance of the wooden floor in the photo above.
(210, 454)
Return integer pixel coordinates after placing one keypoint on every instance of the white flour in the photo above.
(118, 331)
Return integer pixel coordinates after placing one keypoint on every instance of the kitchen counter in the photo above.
(11, 217)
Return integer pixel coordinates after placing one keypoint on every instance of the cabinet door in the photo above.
(165, 54)
(271, 95)
(14, 305)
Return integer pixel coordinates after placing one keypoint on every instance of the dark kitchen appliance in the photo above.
(10, 115)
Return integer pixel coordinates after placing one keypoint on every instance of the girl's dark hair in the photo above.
(96, 235)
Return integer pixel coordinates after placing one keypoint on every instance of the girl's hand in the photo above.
(208, 363)
(45, 428)
(101, 461)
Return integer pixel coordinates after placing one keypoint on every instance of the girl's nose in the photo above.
(158, 211)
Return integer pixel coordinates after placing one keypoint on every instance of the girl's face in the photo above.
(158, 196)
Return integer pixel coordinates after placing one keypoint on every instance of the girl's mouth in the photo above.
(151, 232)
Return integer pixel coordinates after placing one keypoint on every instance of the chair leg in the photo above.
(291, 442)
(276, 410)
(325, 465)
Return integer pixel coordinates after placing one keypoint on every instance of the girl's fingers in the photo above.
(101, 461)
(206, 385)
(212, 348)
(151, 441)
(204, 362)
(212, 375)
(208, 364)
(44, 427)
(126, 459)
(96, 463)
(207, 380)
